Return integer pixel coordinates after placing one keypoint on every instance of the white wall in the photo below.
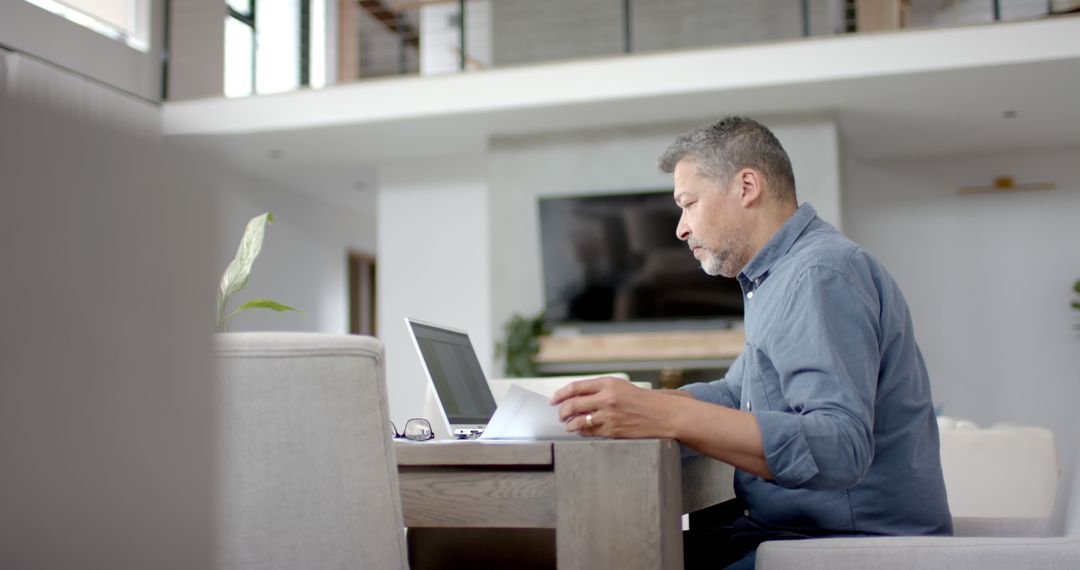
(814, 148)
(988, 278)
(528, 32)
(45, 35)
(681, 24)
(303, 262)
(32, 79)
(966, 12)
(434, 264)
(197, 49)
(106, 385)
(611, 161)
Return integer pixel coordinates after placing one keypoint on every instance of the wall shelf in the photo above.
(1007, 184)
(626, 352)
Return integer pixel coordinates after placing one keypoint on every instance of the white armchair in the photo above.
(1001, 483)
(307, 476)
(1005, 471)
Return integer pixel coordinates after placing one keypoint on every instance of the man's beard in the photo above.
(714, 262)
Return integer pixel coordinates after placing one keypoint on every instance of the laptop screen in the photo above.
(456, 373)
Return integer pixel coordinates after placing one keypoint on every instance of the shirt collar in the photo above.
(780, 243)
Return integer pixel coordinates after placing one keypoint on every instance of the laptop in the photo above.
(452, 367)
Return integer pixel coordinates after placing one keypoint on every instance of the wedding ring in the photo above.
(588, 421)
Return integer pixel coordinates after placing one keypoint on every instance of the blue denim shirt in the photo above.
(833, 375)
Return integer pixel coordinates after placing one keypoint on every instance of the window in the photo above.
(127, 21)
(240, 48)
(274, 45)
(317, 44)
(277, 46)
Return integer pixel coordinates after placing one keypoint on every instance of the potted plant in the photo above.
(1076, 302)
(521, 344)
(236, 274)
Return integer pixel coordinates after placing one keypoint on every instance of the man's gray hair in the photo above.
(723, 148)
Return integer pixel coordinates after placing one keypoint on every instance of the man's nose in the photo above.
(682, 230)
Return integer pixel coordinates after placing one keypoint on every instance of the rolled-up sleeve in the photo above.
(825, 358)
(725, 392)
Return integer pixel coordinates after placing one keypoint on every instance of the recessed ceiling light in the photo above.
(1010, 114)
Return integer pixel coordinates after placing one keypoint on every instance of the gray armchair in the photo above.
(1004, 543)
(306, 471)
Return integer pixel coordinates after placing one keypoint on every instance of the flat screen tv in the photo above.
(615, 258)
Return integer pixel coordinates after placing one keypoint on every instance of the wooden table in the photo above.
(612, 503)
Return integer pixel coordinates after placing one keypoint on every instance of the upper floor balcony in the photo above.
(918, 91)
(280, 46)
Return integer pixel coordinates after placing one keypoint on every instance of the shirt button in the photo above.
(746, 513)
(750, 295)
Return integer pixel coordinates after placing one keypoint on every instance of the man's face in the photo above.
(710, 223)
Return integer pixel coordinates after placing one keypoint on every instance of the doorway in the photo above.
(361, 293)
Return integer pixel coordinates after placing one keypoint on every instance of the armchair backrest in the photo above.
(1072, 514)
(1001, 471)
(306, 474)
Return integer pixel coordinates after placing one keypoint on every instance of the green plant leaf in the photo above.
(236, 274)
(1076, 286)
(264, 304)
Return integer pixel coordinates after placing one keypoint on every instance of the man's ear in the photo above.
(751, 187)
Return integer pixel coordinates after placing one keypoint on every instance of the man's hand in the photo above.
(617, 409)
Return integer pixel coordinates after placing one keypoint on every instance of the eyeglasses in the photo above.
(416, 429)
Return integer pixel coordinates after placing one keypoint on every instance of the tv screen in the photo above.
(615, 258)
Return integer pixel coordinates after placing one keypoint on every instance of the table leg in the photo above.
(618, 505)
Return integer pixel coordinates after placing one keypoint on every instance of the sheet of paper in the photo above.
(524, 414)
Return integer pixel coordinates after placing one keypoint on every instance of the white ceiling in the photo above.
(910, 99)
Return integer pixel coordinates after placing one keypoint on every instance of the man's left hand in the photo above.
(617, 409)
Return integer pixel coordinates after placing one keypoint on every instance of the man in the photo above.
(827, 414)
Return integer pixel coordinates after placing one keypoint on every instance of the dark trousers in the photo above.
(481, 548)
(733, 546)
(722, 536)
(719, 537)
